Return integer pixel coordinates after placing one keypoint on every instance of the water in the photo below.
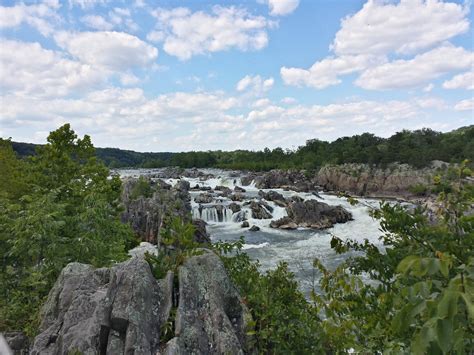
(271, 246)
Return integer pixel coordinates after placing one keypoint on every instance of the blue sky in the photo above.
(200, 75)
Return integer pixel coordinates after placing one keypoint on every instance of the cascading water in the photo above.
(217, 213)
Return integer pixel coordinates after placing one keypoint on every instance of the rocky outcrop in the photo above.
(234, 207)
(148, 215)
(237, 197)
(239, 189)
(259, 211)
(284, 223)
(203, 198)
(124, 309)
(363, 180)
(274, 196)
(254, 228)
(225, 191)
(211, 318)
(358, 179)
(312, 214)
(116, 310)
(18, 343)
(200, 234)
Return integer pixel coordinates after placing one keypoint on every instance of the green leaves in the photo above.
(66, 209)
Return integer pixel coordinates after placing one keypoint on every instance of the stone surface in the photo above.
(245, 224)
(114, 310)
(18, 343)
(147, 215)
(259, 211)
(200, 234)
(235, 207)
(211, 318)
(254, 228)
(311, 214)
(203, 198)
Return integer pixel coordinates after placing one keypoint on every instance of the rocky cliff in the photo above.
(147, 215)
(125, 310)
(357, 179)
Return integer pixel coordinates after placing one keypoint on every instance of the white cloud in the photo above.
(281, 7)
(381, 27)
(49, 74)
(189, 33)
(417, 71)
(327, 71)
(114, 51)
(461, 81)
(128, 79)
(38, 16)
(255, 84)
(465, 105)
(97, 22)
(155, 36)
(86, 4)
(288, 100)
(428, 87)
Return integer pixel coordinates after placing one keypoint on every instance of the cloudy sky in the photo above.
(196, 75)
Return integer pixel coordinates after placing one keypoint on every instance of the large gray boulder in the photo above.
(259, 210)
(211, 317)
(117, 310)
(204, 198)
(317, 215)
(273, 196)
(311, 214)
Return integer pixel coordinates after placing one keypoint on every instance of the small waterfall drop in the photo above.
(217, 213)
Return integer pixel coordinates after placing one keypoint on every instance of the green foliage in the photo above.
(419, 190)
(283, 321)
(417, 148)
(177, 244)
(141, 188)
(56, 207)
(422, 294)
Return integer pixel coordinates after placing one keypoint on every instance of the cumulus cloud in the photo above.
(187, 33)
(281, 7)
(97, 22)
(49, 74)
(38, 16)
(461, 81)
(408, 26)
(465, 105)
(417, 71)
(326, 72)
(114, 51)
(255, 84)
(86, 4)
(370, 38)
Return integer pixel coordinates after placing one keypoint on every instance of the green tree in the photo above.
(68, 211)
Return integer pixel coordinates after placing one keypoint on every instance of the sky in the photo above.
(205, 75)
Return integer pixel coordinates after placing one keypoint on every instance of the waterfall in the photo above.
(217, 213)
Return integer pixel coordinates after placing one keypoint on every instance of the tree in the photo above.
(68, 211)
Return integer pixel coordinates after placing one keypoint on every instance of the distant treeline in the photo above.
(417, 148)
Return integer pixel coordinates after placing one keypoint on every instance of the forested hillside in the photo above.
(417, 148)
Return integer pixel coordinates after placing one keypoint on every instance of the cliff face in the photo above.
(363, 180)
(358, 179)
(125, 310)
(147, 215)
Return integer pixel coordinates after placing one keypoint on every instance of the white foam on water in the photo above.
(255, 246)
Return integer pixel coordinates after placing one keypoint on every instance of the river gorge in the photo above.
(215, 191)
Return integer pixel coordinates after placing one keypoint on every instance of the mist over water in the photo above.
(271, 246)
